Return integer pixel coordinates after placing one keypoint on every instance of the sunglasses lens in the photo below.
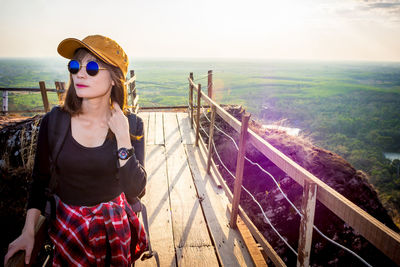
(92, 68)
(73, 66)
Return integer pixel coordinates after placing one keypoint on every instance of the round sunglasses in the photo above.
(92, 68)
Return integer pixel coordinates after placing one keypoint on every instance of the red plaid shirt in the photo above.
(106, 234)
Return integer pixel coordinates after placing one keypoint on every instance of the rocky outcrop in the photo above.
(327, 166)
(17, 149)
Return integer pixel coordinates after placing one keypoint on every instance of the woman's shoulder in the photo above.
(56, 116)
(56, 111)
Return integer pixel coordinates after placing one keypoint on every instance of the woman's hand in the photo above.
(118, 122)
(24, 242)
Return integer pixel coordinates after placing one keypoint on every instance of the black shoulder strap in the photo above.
(58, 124)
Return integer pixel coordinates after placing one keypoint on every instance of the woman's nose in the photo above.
(82, 72)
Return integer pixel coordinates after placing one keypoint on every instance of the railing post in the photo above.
(211, 137)
(191, 100)
(58, 90)
(210, 85)
(198, 114)
(132, 88)
(5, 101)
(64, 91)
(43, 91)
(239, 168)
(306, 223)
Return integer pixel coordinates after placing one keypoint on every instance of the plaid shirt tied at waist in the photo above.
(105, 234)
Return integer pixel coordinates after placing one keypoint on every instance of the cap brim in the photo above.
(68, 47)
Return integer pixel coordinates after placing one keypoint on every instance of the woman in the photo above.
(99, 168)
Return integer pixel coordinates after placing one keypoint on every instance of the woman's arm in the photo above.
(132, 174)
(41, 169)
(36, 195)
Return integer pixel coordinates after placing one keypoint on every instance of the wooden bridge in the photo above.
(187, 210)
(194, 218)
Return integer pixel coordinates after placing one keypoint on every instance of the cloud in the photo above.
(391, 8)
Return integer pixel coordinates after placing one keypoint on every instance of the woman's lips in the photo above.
(81, 85)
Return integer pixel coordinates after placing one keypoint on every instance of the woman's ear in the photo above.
(112, 83)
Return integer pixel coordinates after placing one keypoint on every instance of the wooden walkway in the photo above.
(187, 212)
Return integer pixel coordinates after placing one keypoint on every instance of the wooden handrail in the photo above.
(60, 90)
(381, 236)
(13, 89)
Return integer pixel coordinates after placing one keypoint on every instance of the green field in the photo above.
(351, 108)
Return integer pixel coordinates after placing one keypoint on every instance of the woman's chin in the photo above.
(88, 95)
(83, 95)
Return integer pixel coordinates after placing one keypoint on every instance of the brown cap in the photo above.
(103, 47)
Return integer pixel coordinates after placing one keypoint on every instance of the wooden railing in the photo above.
(131, 87)
(385, 239)
(61, 90)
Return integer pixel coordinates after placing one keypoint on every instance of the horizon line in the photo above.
(164, 58)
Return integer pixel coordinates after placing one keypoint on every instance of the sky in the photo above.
(359, 30)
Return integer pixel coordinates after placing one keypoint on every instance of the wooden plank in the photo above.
(269, 250)
(159, 135)
(189, 226)
(151, 136)
(156, 200)
(228, 242)
(145, 117)
(187, 134)
(58, 89)
(44, 96)
(306, 223)
(63, 92)
(252, 247)
(196, 256)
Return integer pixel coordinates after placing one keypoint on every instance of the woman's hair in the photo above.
(73, 103)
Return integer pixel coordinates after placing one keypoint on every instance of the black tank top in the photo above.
(87, 176)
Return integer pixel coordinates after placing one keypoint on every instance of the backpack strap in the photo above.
(132, 123)
(58, 125)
